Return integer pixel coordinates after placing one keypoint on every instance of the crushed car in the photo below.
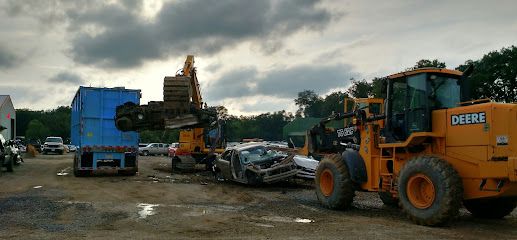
(254, 164)
(306, 166)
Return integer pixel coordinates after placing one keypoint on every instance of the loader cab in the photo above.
(413, 95)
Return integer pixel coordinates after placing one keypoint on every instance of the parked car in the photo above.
(172, 149)
(154, 149)
(255, 163)
(53, 144)
(72, 148)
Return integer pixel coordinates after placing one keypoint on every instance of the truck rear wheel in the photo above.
(78, 173)
(490, 208)
(334, 188)
(430, 190)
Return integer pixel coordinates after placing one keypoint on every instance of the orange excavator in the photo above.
(201, 132)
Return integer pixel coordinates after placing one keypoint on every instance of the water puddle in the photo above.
(146, 209)
(201, 210)
(263, 225)
(196, 213)
(286, 219)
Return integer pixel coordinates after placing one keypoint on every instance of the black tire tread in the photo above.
(495, 208)
(344, 193)
(452, 201)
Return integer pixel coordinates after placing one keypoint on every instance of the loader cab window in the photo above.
(398, 113)
(370, 108)
(375, 108)
(417, 110)
(414, 97)
(444, 92)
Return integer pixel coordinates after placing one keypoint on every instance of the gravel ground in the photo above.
(36, 203)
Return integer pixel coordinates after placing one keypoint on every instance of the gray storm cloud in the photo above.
(282, 83)
(203, 27)
(67, 78)
(7, 58)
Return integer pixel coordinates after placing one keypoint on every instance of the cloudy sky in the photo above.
(252, 56)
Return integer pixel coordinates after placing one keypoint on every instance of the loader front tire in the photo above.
(430, 191)
(490, 208)
(334, 188)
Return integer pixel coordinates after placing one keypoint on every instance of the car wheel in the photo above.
(253, 179)
(145, 153)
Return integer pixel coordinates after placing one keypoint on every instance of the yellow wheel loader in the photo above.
(427, 147)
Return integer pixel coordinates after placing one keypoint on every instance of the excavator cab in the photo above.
(412, 96)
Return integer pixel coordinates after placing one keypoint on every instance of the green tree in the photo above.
(494, 75)
(360, 89)
(333, 102)
(309, 104)
(428, 63)
(36, 130)
(378, 88)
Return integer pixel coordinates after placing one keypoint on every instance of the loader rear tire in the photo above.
(388, 199)
(430, 191)
(490, 208)
(334, 188)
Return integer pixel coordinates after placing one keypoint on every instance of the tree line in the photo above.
(494, 76)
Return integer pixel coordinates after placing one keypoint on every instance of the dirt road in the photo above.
(37, 203)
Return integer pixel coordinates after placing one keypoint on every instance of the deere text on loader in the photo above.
(428, 148)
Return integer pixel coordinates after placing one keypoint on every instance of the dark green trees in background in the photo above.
(311, 104)
(36, 130)
(41, 124)
(495, 75)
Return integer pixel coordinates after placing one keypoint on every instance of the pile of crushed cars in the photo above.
(261, 162)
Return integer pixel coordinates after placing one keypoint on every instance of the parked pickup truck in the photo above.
(154, 149)
(53, 144)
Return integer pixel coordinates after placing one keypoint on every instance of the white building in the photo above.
(7, 117)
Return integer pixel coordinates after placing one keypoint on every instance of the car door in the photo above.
(236, 165)
(159, 147)
(165, 149)
(154, 148)
(223, 164)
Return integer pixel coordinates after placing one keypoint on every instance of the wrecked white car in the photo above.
(306, 166)
(255, 163)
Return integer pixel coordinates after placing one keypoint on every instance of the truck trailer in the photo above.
(101, 146)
